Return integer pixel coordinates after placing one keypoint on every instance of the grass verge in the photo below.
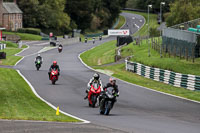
(152, 22)
(121, 22)
(11, 50)
(18, 101)
(120, 72)
(106, 50)
(140, 55)
(24, 36)
(11, 59)
(92, 57)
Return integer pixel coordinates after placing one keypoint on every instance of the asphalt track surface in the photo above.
(138, 110)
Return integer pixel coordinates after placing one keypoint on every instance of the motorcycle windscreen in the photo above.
(95, 85)
(109, 92)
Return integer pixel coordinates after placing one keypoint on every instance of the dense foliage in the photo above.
(45, 14)
(64, 15)
(94, 14)
(142, 4)
(183, 11)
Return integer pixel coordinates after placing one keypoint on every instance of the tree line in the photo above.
(175, 11)
(65, 15)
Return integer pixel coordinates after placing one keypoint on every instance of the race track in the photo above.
(137, 110)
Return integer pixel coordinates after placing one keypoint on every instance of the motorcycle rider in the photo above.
(60, 45)
(94, 79)
(112, 83)
(38, 58)
(54, 66)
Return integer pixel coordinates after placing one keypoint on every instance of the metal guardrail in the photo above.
(191, 82)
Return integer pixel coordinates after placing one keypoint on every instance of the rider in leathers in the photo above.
(54, 66)
(39, 57)
(94, 79)
(112, 83)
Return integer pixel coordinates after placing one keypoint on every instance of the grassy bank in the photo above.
(152, 22)
(140, 55)
(120, 72)
(122, 20)
(18, 101)
(100, 54)
(24, 36)
(11, 59)
(11, 50)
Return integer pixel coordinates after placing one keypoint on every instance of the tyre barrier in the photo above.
(191, 82)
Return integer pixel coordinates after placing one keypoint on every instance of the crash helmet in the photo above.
(112, 80)
(54, 63)
(96, 76)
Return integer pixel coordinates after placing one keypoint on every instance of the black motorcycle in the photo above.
(38, 64)
(107, 100)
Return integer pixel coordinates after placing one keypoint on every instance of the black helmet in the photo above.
(96, 76)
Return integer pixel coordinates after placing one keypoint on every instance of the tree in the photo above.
(80, 12)
(183, 11)
(45, 14)
(30, 9)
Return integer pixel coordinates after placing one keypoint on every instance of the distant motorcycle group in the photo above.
(104, 96)
(54, 70)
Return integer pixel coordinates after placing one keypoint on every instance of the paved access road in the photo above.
(138, 110)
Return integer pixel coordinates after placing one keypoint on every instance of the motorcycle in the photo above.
(54, 76)
(38, 64)
(93, 94)
(108, 98)
(60, 49)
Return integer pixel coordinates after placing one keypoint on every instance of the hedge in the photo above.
(30, 30)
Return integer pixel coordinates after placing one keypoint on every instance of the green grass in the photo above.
(24, 36)
(11, 59)
(102, 54)
(92, 57)
(18, 101)
(140, 55)
(152, 22)
(120, 72)
(10, 44)
(121, 22)
(24, 46)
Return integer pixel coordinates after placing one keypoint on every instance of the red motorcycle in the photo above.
(54, 76)
(59, 49)
(93, 94)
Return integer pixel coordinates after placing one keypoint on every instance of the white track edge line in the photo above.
(132, 83)
(124, 23)
(33, 89)
(17, 54)
(52, 106)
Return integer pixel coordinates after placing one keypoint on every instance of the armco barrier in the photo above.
(191, 82)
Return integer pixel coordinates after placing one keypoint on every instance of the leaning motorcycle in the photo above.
(54, 76)
(93, 94)
(108, 97)
(38, 64)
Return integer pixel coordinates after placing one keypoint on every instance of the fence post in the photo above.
(193, 54)
(186, 54)
(174, 51)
